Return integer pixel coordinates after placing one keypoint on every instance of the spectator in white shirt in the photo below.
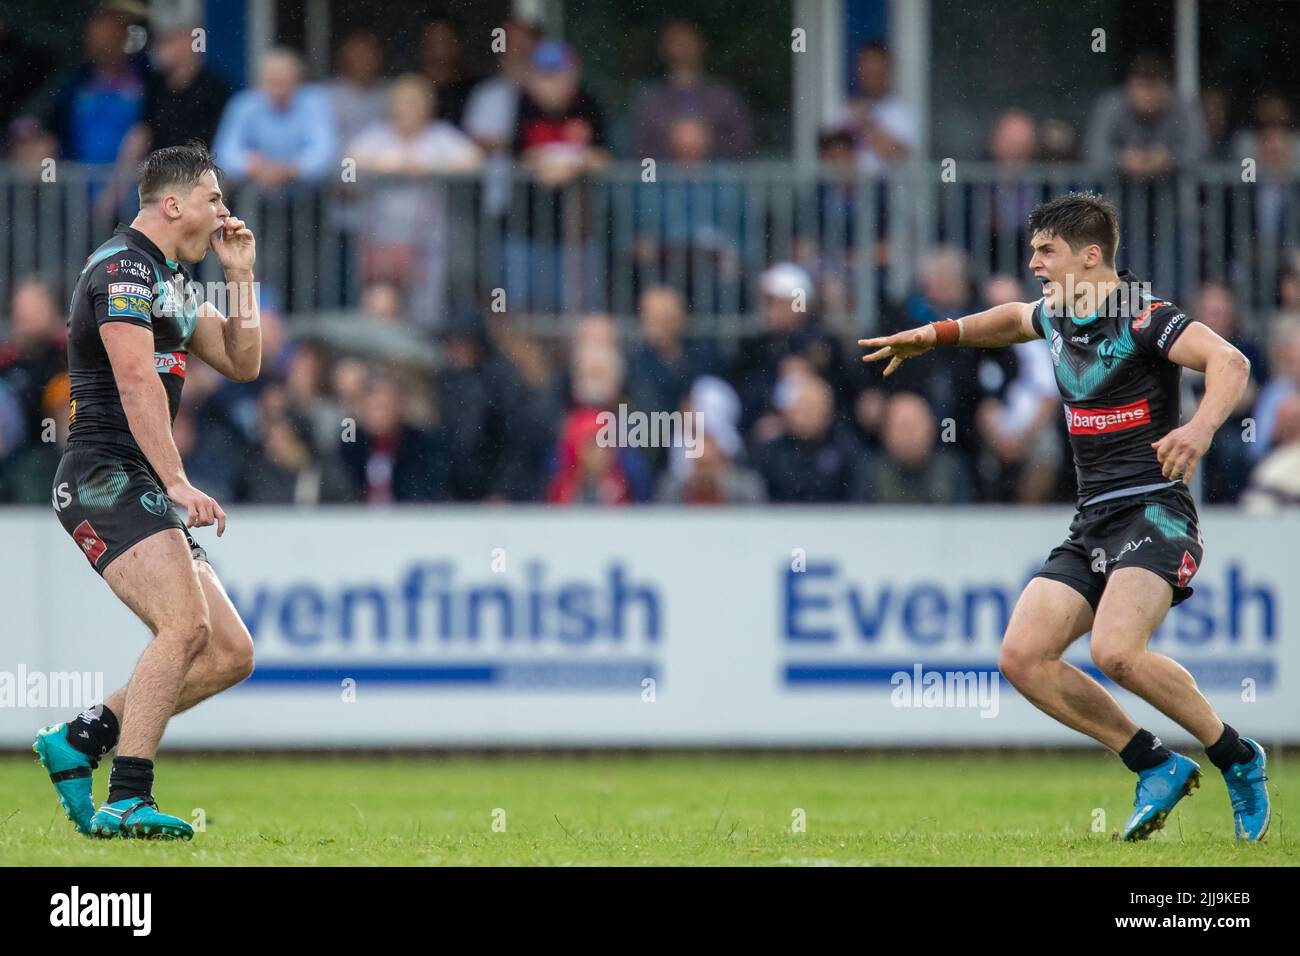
(884, 127)
(405, 223)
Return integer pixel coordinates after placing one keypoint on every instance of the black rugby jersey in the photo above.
(1121, 391)
(127, 279)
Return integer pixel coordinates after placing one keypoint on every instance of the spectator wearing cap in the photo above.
(911, 467)
(559, 137)
(689, 92)
(714, 471)
(790, 330)
(814, 459)
(282, 131)
(1143, 128)
(404, 222)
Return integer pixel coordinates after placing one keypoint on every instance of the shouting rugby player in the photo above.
(134, 322)
(1135, 543)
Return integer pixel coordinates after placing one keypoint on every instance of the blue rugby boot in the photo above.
(1158, 790)
(69, 771)
(1250, 807)
(137, 818)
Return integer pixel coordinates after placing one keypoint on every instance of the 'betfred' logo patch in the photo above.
(1099, 421)
(1187, 569)
(91, 544)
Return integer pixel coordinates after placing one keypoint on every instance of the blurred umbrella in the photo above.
(353, 334)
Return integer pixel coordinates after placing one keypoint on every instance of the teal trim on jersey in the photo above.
(1089, 319)
(171, 264)
(97, 257)
(103, 493)
(1170, 523)
(1077, 383)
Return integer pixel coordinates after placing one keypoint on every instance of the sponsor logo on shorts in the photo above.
(1187, 569)
(154, 502)
(169, 363)
(91, 544)
(1099, 421)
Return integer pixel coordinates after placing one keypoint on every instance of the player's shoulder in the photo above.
(116, 261)
(1156, 322)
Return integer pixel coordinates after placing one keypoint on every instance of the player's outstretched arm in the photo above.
(232, 344)
(1227, 375)
(993, 328)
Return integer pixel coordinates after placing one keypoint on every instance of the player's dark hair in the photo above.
(1081, 219)
(172, 167)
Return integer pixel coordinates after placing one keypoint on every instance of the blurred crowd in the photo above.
(791, 416)
(486, 411)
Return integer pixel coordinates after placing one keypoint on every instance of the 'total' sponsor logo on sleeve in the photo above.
(1099, 421)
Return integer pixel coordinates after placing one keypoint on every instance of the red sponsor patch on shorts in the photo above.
(91, 544)
(1187, 569)
(1099, 421)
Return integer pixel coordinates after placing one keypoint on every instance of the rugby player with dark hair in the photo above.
(135, 321)
(1135, 543)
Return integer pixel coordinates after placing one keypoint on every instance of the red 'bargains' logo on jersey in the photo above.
(1099, 421)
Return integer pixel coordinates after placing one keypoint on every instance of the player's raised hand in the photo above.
(1181, 450)
(202, 509)
(234, 245)
(900, 346)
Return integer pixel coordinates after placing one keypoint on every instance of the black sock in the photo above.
(1229, 749)
(131, 777)
(1144, 751)
(93, 732)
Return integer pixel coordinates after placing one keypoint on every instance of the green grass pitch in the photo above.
(671, 809)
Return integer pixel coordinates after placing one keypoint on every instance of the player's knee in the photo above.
(195, 634)
(239, 663)
(1113, 659)
(1016, 661)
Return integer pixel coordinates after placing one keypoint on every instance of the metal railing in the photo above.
(503, 240)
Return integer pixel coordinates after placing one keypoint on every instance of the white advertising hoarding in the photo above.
(469, 627)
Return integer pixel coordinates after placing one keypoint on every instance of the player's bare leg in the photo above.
(1133, 605)
(158, 581)
(1048, 618)
(226, 659)
(1135, 602)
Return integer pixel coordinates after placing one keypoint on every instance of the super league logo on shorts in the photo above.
(154, 502)
(90, 543)
(1187, 569)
